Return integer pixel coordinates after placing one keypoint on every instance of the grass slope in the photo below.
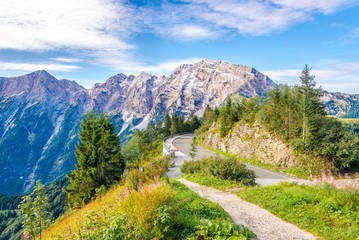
(325, 211)
(155, 211)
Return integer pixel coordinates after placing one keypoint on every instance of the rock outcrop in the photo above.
(252, 142)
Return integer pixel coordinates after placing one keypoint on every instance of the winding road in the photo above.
(182, 145)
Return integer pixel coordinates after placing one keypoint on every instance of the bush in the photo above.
(232, 169)
(222, 230)
(224, 168)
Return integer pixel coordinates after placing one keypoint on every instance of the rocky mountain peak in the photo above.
(116, 79)
(40, 75)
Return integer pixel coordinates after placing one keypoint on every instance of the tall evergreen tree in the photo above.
(290, 112)
(34, 209)
(194, 149)
(174, 124)
(167, 124)
(99, 159)
(311, 107)
(227, 118)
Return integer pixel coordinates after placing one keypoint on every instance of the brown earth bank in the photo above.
(254, 142)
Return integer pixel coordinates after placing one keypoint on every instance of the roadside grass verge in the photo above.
(296, 172)
(214, 182)
(325, 211)
(192, 210)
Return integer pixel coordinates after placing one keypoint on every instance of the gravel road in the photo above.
(265, 225)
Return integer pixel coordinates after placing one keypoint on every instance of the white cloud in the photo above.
(55, 24)
(162, 68)
(332, 76)
(29, 67)
(258, 17)
(100, 31)
(192, 32)
(89, 28)
(67, 60)
(324, 6)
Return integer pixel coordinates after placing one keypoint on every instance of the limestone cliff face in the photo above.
(251, 142)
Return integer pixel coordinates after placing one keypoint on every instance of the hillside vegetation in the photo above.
(145, 205)
(158, 210)
(297, 117)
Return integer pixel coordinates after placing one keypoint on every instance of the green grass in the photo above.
(349, 120)
(325, 211)
(191, 208)
(213, 182)
(296, 172)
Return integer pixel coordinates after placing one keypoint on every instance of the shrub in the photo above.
(232, 169)
(222, 230)
(134, 178)
(224, 168)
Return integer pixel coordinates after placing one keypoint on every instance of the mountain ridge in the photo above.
(41, 115)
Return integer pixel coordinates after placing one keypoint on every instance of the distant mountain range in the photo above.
(40, 115)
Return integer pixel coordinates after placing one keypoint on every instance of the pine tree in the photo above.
(26, 210)
(99, 159)
(180, 124)
(227, 118)
(34, 209)
(174, 124)
(311, 107)
(194, 149)
(167, 125)
(110, 165)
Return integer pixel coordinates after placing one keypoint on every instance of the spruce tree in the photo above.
(167, 125)
(99, 159)
(227, 118)
(311, 107)
(174, 124)
(34, 209)
(194, 149)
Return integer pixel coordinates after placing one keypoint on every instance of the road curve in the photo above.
(182, 145)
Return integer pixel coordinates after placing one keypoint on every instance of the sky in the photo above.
(90, 40)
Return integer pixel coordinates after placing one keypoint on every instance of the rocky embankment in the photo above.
(252, 142)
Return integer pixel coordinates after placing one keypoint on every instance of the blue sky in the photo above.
(91, 40)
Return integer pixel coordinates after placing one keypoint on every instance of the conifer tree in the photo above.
(99, 159)
(167, 125)
(34, 209)
(174, 124)
(194, 149)
(180, 124)
(227, 118)
(310, 106)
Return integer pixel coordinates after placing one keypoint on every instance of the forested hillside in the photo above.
(11, 219)
(144, 204)
(296, 116)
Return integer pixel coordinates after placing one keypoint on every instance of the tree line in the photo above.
(297, 116)
(174, 124)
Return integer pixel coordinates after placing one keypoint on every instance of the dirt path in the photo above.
(263, 223)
